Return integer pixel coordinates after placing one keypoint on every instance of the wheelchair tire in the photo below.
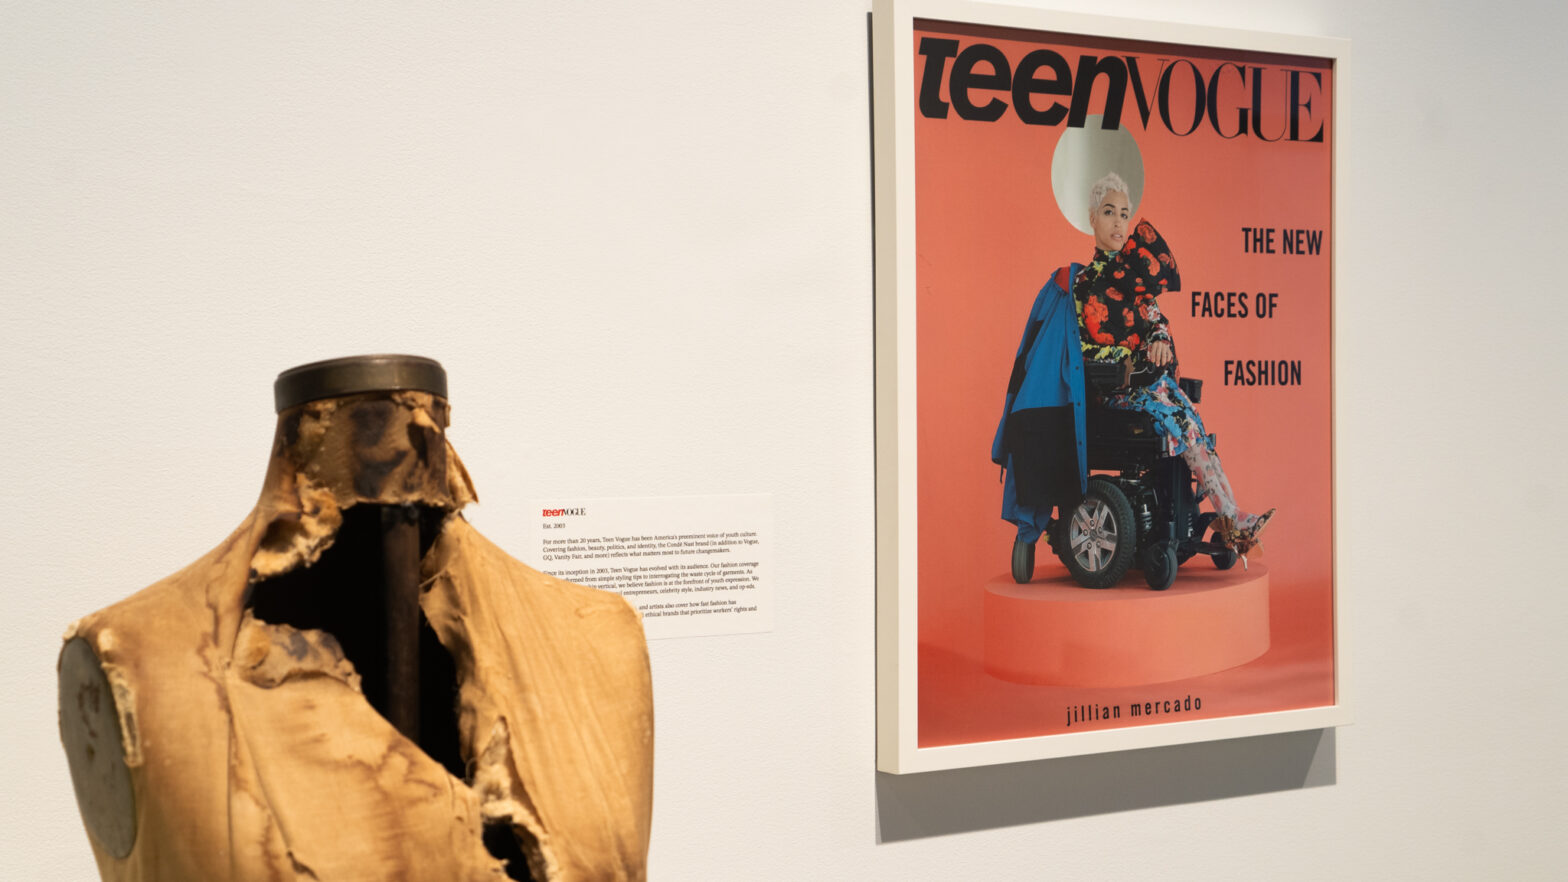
(1224, 560)
(1159, 566)
(1023, 561)
(1099, 537)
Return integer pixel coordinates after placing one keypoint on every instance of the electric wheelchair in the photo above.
(1144, 514)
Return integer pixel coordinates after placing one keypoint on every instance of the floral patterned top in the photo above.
(1115, 296)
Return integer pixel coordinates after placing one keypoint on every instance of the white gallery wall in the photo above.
(639, 237)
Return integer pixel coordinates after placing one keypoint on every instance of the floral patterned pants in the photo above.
(1177, 421)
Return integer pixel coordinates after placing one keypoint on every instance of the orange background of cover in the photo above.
(989, 234)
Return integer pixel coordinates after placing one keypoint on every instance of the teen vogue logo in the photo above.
(563, 512)
(1230, 99)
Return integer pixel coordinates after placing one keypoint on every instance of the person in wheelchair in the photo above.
(1103, 318)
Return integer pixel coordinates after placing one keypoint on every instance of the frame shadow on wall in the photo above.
(914, 806)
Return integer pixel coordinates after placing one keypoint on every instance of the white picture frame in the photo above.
(897, 80)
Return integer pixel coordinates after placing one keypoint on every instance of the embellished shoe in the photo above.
(1242, 540)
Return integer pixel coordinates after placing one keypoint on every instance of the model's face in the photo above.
(1109, 220)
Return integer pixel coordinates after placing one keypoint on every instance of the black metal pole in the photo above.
(400, 571)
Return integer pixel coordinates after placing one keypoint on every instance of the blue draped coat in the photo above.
(1040, 438)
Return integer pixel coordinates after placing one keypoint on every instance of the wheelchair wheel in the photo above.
(1224, 560)
(1023, 561)
(1159, 565)
(1099, 537)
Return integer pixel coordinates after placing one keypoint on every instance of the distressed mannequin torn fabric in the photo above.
(247, 749)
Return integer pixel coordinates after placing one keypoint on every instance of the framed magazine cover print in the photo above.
(1105, 353)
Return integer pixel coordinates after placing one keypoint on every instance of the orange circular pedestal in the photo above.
(1053, 631)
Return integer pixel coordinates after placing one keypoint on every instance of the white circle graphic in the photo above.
(1083, 156)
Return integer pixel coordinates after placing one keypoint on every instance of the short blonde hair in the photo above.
(1111, 183)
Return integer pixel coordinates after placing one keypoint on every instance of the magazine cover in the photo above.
(1116, 337)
